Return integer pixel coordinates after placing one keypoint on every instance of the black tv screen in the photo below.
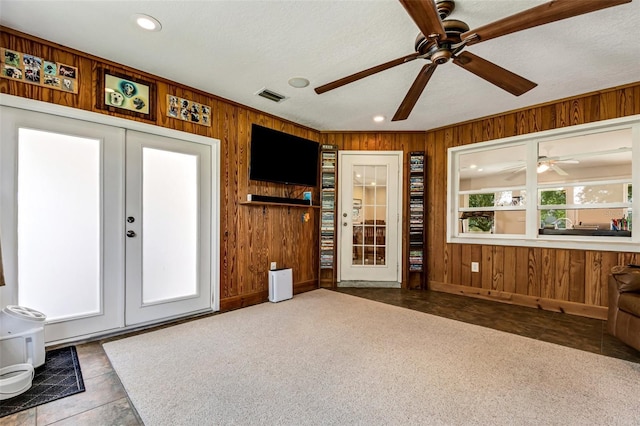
(280, 157)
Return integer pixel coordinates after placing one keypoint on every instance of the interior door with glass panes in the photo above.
(369, 217)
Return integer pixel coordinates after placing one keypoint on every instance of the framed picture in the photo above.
(126, 95)
(32, 69)
(187, 110)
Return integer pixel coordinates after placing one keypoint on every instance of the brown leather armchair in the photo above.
(624, 305)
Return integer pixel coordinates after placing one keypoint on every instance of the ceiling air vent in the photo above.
(271, 95)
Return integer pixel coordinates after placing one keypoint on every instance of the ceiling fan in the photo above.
(545, 164)
(443, 39)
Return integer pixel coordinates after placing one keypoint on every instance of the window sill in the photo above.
(572, 242)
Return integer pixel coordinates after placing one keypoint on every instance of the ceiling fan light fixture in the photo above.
(542, 167)
(441, 56)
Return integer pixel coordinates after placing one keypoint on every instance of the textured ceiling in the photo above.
(235, 48)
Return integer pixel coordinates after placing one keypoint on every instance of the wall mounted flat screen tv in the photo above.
(280, 157)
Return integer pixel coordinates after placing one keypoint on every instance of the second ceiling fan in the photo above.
(443, 39)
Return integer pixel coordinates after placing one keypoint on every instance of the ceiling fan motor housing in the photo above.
(441, 55)
(439, 52)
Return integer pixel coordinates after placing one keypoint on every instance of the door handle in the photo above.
(131, 234)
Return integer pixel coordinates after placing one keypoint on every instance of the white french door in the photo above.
(71, 191)
(369, 217)
(168, 227)
(61, 212)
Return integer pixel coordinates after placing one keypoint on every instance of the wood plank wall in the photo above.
(571, 281)
(251, 237)
(562, 280)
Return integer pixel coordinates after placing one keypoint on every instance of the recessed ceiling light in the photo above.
(378, 118)
(147, 22)
(473, 166)
(298, 82)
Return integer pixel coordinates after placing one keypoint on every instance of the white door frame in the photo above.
(7, 295)
(397, 199)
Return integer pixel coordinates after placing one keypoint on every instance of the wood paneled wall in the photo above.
(571, 281)
(563, 280)
(251, 237)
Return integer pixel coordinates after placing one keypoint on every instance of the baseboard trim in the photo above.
(237, 302)
(369, 284)
(573, 308)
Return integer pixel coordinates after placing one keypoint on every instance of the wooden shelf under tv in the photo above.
(266, 203)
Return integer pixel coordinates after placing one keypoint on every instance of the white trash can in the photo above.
(21, 336)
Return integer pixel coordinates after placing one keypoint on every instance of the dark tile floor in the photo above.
(586, 334)
(105, 401)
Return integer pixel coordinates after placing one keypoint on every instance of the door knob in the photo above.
(131, 234)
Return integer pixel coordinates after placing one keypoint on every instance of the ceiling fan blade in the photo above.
(558, 170)
(426, 17)
(414, 92)
(568, 161)
(543, 14)
(491, 72)
(366, 73)
(514, 174)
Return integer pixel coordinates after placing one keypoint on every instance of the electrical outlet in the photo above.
(475, 267)
(273, 266)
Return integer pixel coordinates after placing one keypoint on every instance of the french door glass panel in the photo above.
(59, 223)
(170, 225)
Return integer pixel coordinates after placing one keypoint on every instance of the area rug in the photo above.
(326, 358)
(58, 377)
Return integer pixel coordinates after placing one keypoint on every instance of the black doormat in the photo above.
(58, 377)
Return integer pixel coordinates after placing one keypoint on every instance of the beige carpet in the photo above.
(325, 358)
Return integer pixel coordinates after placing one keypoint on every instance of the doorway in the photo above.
(96, 217)
(370, 212)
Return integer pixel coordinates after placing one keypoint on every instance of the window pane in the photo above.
(553, 218)
(59, 224)
(170, 225)
(597, 194)
(593, 157)
(493, 168)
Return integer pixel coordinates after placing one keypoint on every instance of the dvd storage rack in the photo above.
(416, 276)
(328, 172)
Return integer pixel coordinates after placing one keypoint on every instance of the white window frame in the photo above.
(531, 237)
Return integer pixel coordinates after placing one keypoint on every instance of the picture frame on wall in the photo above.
(31, 69)
(123, 94)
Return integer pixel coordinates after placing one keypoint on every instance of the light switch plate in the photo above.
(475, 267)
(273, 266)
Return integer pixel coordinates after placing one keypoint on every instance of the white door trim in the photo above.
(398, 199)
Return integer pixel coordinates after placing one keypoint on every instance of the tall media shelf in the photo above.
(328, 173)
(416, 277)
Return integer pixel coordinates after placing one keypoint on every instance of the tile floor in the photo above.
(105, 401)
